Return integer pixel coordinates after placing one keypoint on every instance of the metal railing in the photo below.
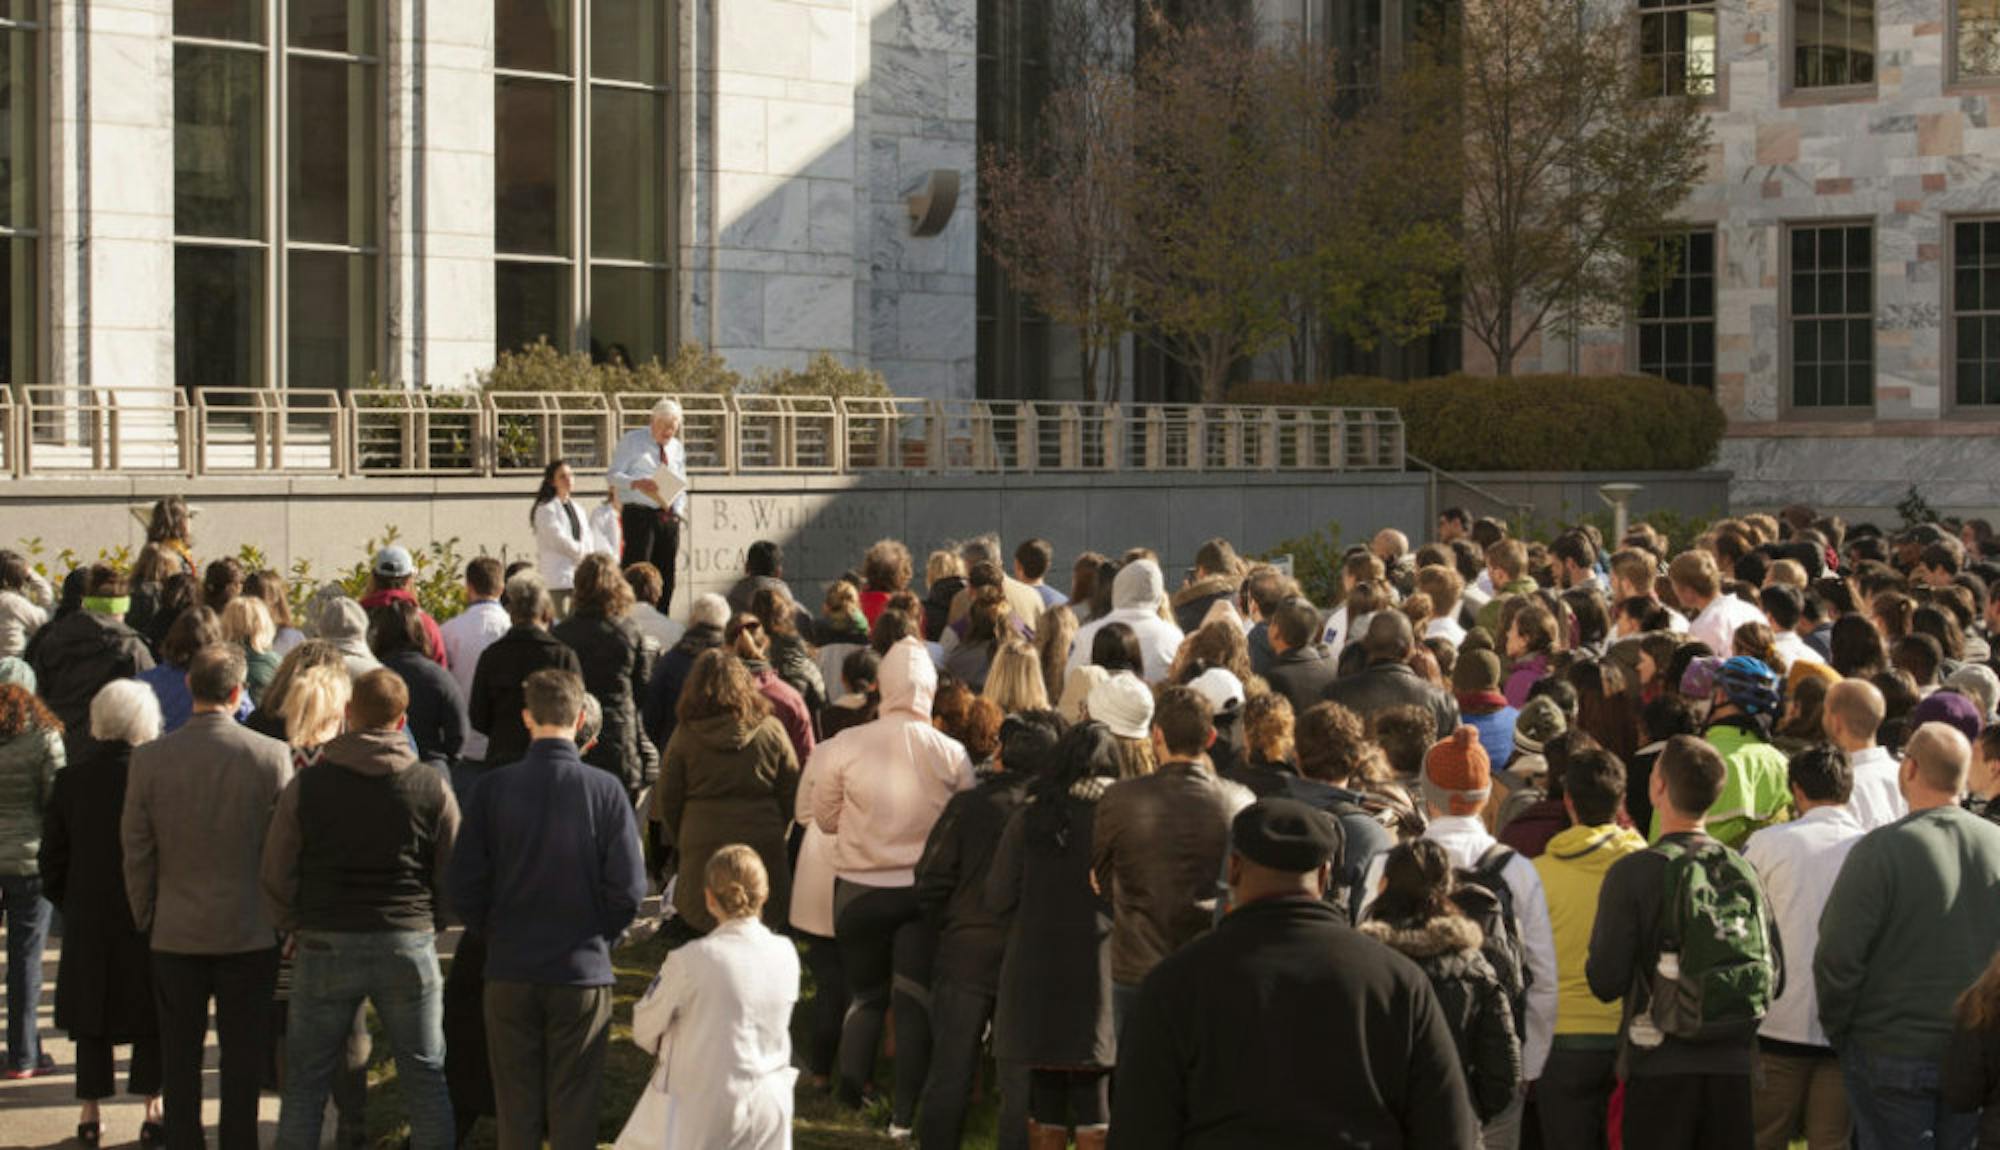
(53, 430)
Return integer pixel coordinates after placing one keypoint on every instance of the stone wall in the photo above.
(825, 522)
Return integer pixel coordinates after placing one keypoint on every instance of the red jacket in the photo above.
(434, 636)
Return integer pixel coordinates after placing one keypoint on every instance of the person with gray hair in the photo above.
(1027, 602)
(197, 807)
(494, 706)
(707, 617)
(104, 987)
(651, 518)
(1913, 920)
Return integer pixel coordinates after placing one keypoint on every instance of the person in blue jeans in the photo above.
(31, 752)
(1912, 921)
(353, 867)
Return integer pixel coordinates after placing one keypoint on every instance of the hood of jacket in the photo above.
(85, 632)
(1138, 587)
(372, 752)
(344, 623)
(908, 679)
(720, 732)
(1594, 848)
(1445, 934)
(1206, 587)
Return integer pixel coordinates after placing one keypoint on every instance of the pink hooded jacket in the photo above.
(878, 787)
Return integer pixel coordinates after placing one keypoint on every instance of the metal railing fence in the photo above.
(48, 430)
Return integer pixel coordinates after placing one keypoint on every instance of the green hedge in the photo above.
(1531, 422)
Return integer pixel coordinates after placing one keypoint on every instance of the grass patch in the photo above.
(819, 1123)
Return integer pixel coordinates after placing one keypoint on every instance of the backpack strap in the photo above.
(1493, 860)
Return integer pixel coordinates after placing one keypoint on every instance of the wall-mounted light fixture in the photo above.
(931, 206)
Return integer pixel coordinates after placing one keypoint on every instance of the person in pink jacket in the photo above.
(877, 788)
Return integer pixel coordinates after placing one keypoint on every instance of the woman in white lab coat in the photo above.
(563, 534)
(717, 1018)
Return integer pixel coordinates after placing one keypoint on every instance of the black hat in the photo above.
(1285, 835)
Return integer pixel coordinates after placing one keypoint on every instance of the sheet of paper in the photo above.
(671, 485)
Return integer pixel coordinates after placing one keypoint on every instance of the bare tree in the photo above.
(1571, 173)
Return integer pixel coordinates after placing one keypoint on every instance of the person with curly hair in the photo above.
(31, 754)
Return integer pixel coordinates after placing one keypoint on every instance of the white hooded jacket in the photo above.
(880, 786)
(1136, 595)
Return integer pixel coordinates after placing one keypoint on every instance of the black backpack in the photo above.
(1482, 894)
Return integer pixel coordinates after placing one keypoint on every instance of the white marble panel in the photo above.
(810, 313)
(765, 37)
(763, 211)
(739, 146)
(934, 326)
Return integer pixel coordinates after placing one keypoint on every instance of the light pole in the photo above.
(1619, 496)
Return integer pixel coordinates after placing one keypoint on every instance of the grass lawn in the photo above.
(819, 1123)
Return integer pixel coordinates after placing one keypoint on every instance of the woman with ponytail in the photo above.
(717, 1019)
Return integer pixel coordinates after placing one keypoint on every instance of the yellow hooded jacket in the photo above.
(1572, 870)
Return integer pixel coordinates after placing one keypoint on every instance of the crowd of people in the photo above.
(1584, 843)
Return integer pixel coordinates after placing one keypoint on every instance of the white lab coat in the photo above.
(718, 1019)
(557, 552)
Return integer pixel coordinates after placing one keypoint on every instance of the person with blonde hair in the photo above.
(717, 1018)
(1014, 682)
(247, 622)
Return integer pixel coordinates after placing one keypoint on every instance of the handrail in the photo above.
(54, 430)
(1519, 513)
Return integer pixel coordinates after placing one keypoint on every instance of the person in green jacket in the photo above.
(1912, 921)
(1757, 790)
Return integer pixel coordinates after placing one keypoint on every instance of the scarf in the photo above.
(108, 605)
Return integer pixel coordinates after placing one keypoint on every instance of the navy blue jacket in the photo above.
(548, 867)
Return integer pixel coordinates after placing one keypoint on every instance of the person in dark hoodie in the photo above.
(972, 941)
(707, 616)
(1212, 1057)
(78, 653)
(1416, 918)
(353, 866)
(1216, 578)
(612, 653)
(496, 700)
(436, 710)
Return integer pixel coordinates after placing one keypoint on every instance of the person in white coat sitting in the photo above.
(563, 534)
(717, 1018)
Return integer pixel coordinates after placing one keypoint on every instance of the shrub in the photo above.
(1532, 422)
(540, 367)
(824, 375)
(1316, 558)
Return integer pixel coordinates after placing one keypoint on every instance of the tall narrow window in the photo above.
(1013, 61)
(1831, 301)
(1975, 313)
(275, 278)
(1677, 48)
(20, 206)
(1677, 319)
(583, 184)
(1975, 51)
(1833, 43)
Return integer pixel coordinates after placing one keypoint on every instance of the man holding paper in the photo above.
(648, 476)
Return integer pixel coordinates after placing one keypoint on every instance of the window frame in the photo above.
(580, 87)
(1792, 93)
(276, 245)
(1953, 78)
(1948, 350)
(1714, 99)
(1639, 322)
(41, 178)
(1826, 413)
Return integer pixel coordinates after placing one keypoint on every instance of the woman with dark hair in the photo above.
(1532, 641)
(1858, 651)
(436, 714)
(1592, 616)
(1605, 709)
(746, 638)
(221, 581)
(989, 622)
(196, 628)
(562, 532)
(269, 586)
(1083, 583)
(794, 659)
(1415, 916)
(1116, 648)
(171, 528)
(151, 572)
(1054, 1009)
(728, 775)
(613, 654)
(181, 593)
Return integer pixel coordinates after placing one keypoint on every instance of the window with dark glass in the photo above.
(1677, 318)
(1975, 313)
(1833, 43)
(1975, 49)
(1677, 48)
(581, 176)
(20, 205)
(1013, 82)
(276, 281)
(1830, 302)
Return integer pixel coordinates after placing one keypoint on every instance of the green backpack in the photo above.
(1719, 965)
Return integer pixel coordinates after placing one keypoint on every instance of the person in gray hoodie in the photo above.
(343, 623)
(1137, 597)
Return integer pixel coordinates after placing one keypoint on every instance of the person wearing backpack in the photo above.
(1800, 1091)
(1912, 921)
(1684, 937)
(1573, 1096)
(1416, 917)
(1499, 889)
(1744, 701)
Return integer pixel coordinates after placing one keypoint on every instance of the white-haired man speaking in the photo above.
(650, 518)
